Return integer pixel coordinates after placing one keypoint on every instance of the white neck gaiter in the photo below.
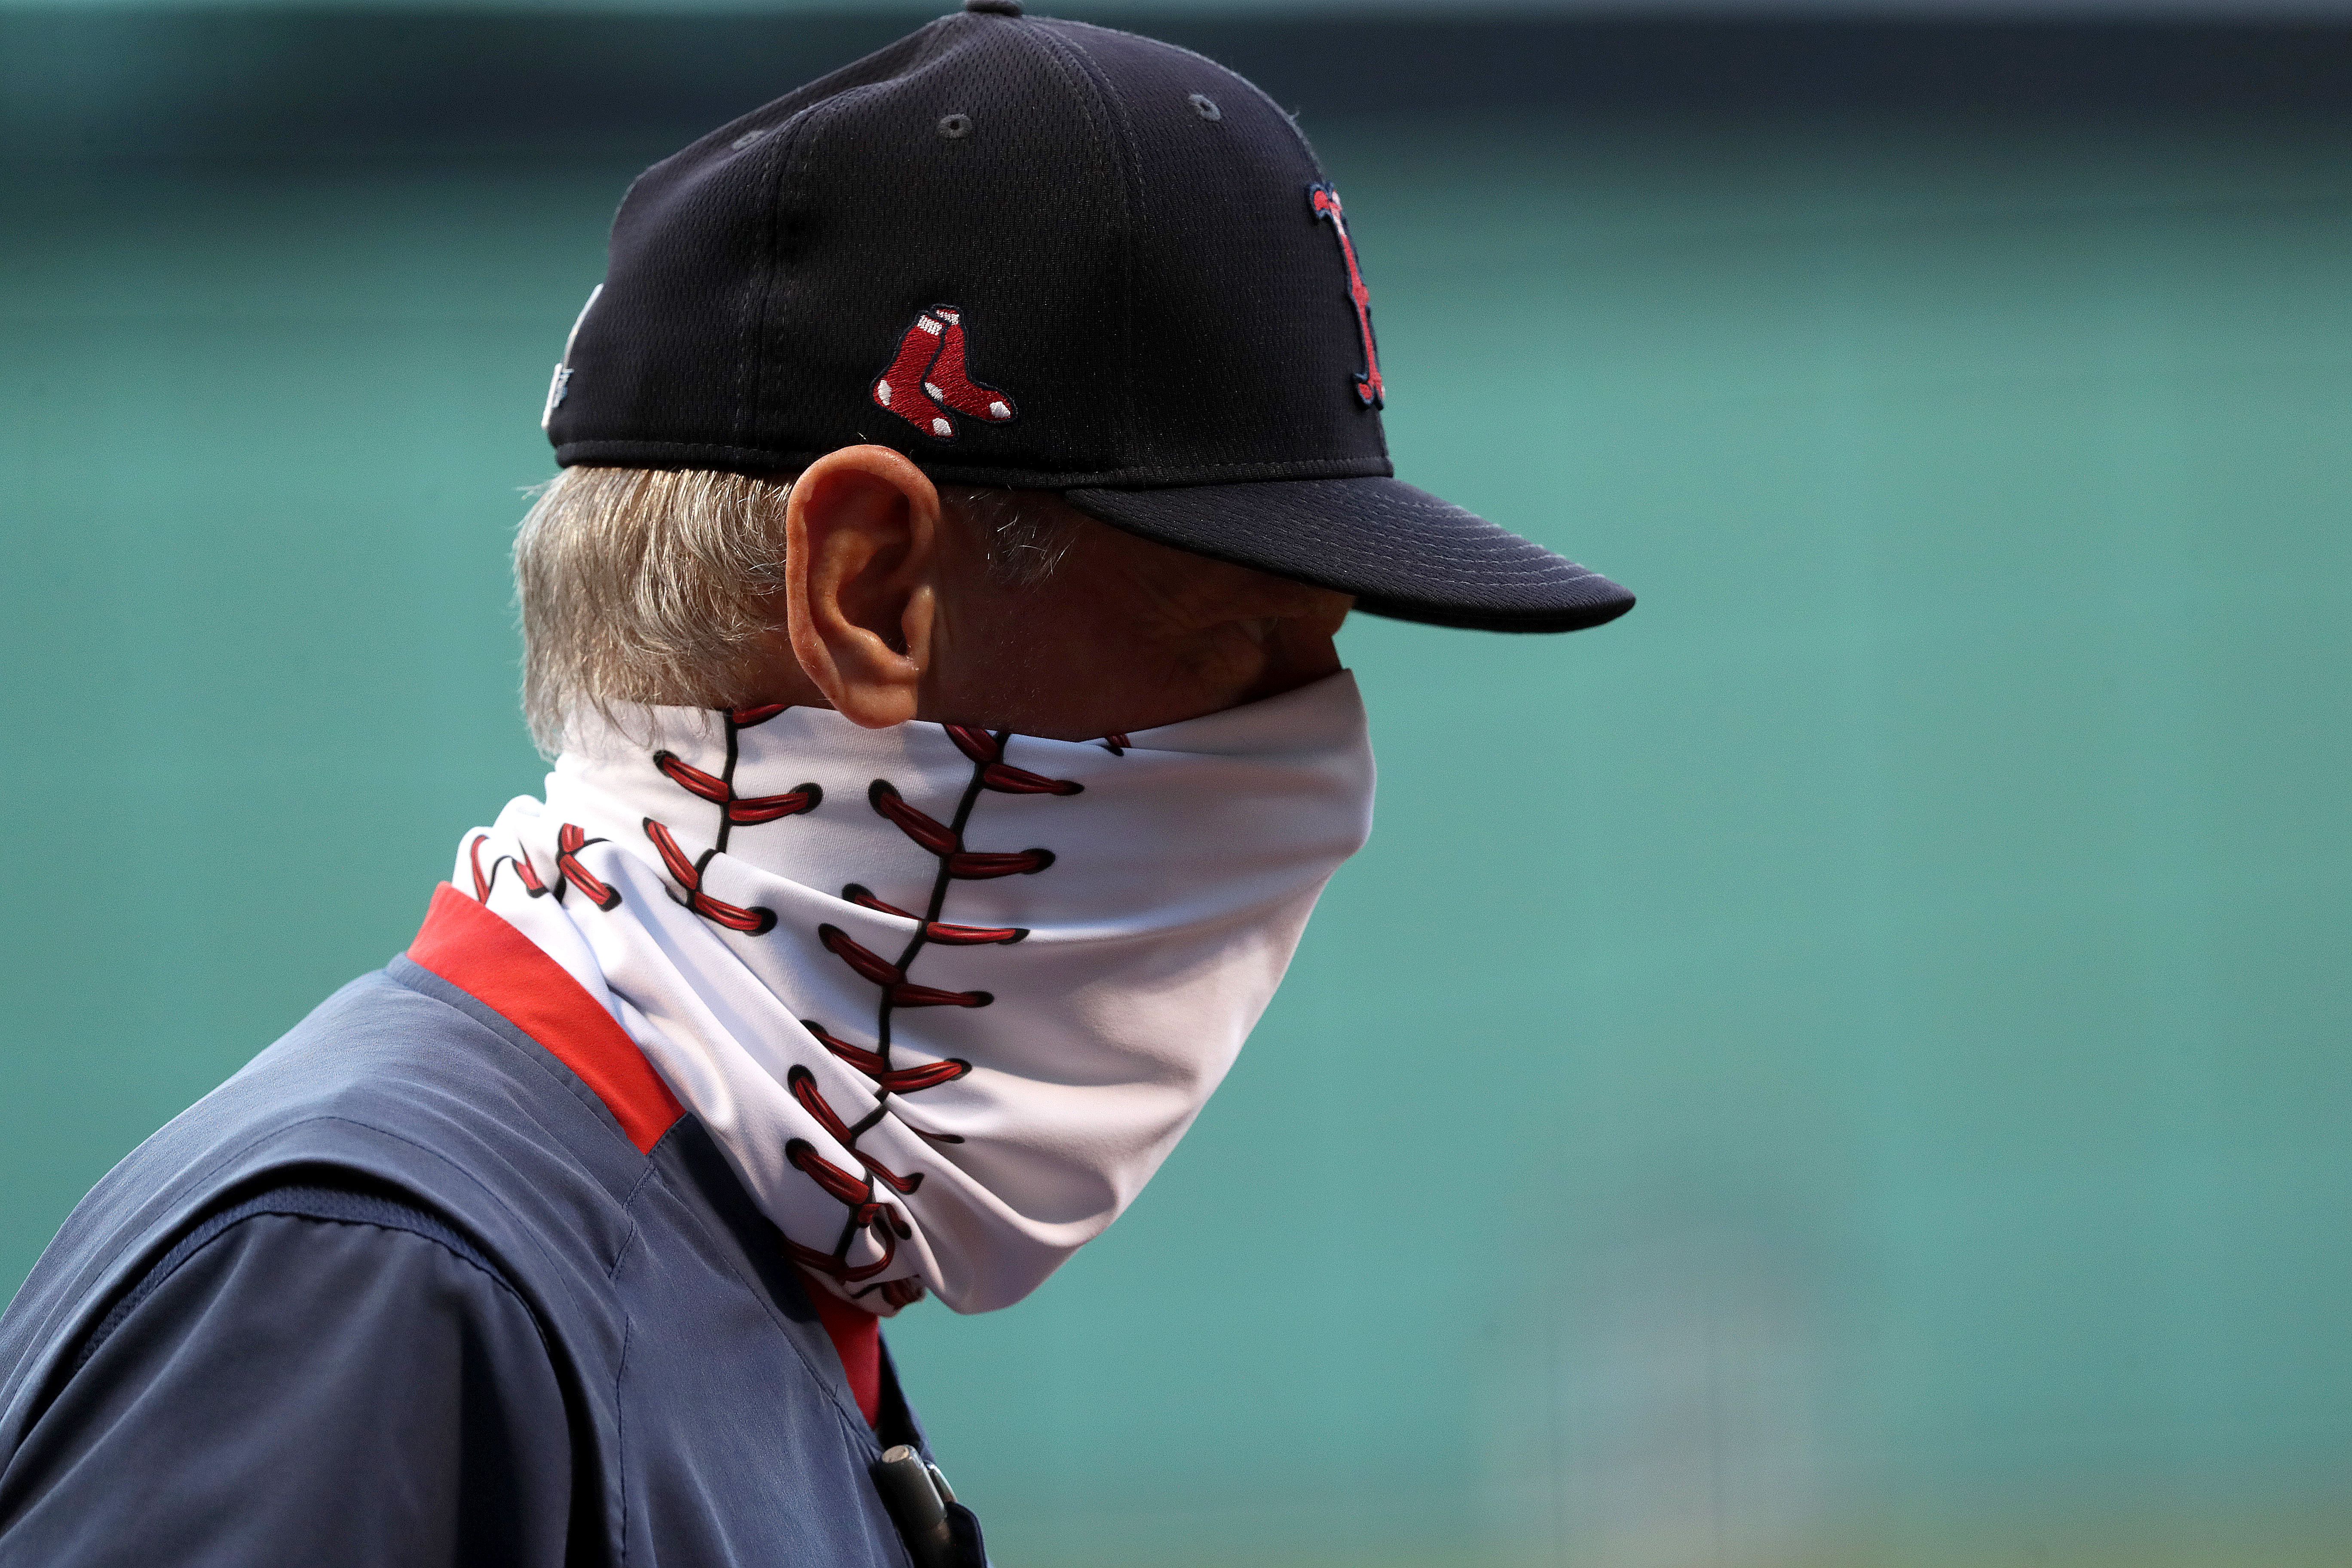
(947, 998)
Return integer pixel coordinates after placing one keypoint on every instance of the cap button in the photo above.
(994, 8)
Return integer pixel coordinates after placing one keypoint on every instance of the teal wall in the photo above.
(1845, 1065)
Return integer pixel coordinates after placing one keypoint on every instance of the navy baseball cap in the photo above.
(1034, 254)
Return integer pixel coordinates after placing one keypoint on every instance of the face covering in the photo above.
(945, 996)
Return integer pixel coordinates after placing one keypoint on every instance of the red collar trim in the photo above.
(856, 1336)
(504, 969)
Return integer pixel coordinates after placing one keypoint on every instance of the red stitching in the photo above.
(943, 931)
(709, 787)
(741, 811)
(870, 1063)
(750, 811)
(948, 935)
(827, 1263)
(849, 1189)
(568, 842)
(734, 811)
(929, 996)
(1006, 779)
(947, 842)
(483, 880)
(911, 1080)
(930, 832)
(858, 894)
(900, 1080)
(988, 751)
(1324, 202)
(681, 867)
(802, 1083)
(754, 921)
(979, 866)
(944, 840)
(872, 966)
(978, 744)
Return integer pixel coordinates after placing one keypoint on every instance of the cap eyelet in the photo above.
(956, 127)
(1205, 107)
(744, 140)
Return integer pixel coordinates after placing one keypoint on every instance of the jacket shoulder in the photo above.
(399, 1083)
(311, 1374)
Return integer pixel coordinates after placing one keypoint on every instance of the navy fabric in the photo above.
(302, 1201)
(1150, 288)
(1146, 268)
(401, 1291)
(297, 1389)
(1403, 552)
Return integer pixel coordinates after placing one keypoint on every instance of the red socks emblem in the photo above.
(927, 379)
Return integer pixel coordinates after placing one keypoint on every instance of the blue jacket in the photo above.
(445, 1276)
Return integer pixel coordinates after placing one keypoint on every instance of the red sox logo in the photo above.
(1324, 201)
(927, 379)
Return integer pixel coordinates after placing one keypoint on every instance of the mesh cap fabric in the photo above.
(1036, 254)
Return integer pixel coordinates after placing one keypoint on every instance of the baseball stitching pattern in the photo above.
(569, 872)
(734, 811)
(869, 1213)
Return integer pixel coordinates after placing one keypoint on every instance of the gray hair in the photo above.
(661, 587)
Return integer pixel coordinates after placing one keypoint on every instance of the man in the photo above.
(968, 460)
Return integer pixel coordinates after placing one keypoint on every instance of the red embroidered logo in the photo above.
(1326, 204)
(927, 379)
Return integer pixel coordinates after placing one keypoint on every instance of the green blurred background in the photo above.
(1844, 1067)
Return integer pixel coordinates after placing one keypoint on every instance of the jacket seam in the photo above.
(197, 1242)
(628, 1243)
(1119, 151)
(545, 1060)
(621, 1419)
(766, 1299)
(752, 388)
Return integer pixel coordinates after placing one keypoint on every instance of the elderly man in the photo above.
(968, 460)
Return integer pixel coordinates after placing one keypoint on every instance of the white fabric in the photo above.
(1182, 871)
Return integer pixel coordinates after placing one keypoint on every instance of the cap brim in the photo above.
(1402, 552)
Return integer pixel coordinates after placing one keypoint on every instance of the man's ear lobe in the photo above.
(860, 548)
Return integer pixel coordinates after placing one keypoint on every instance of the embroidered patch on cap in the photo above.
(1324, 201)
(927, 383)
(559, 387)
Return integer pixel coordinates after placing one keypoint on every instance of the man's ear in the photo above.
(861, 550)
